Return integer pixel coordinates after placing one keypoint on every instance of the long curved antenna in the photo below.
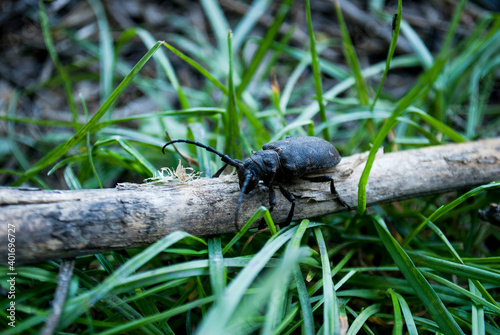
(225, 158)
(248, 177)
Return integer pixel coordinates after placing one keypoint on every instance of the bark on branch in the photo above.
(59, 224)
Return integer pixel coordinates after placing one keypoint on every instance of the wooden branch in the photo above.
(60, 224)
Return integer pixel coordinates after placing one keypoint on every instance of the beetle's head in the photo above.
(249, 176)
(262, 165)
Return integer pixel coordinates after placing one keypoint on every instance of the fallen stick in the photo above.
(61, 224)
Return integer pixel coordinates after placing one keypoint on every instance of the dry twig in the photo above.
(60, 224)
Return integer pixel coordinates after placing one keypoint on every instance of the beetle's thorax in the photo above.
(267, 162)
(261, 165)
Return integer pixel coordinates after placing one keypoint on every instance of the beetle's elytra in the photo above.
(279, 162)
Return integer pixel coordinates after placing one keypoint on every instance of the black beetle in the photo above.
(280, 162)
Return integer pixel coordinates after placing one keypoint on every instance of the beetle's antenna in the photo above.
(248, 177)
(225, 158)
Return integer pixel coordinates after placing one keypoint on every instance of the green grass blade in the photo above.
(446, 242)
(46, 123)
(274, 295)
(264, 46)
(478, 322)
(292, 82)
(444, 209)
(476, 298)
(44, 22)
(143, 161)
(392, 47)
(61, 149)
(244, 27)
(133, 135)
(198, 67)
(398, 318)
(77, 305)
(256, 124)
(418, 45)
(453, 26)
(380, 114)
(311, 110)
(305, 303)
(299, 233)
(277, 303)
(416, 280)
(171, 272)
(26, 325)
(362, 318)
(124, 328)
(165, 64)
(294, 125)
(105, 263)
(68, 161)
(275, 97)
(345, 279)
(158, 289)
(232, 130)
(276, 54)
(475, 284)
(438, 125)
(330, 306)
(461, 270)
(418, 89)
(410, 322)
(71, 179)
(261, 211)
(474, 112)
(428, 324)
(220, 314)
(216, 263)
(197, 132)
(181, 113)
(106, 54)
(287, 321)
(12, 139)
(89, 147)
(316, 70)
(218, 22)
(351, 57)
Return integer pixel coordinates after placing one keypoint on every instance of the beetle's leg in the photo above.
(272, 204)
(217, 174)
(320, 179)
(272, 198)
(289, 196)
